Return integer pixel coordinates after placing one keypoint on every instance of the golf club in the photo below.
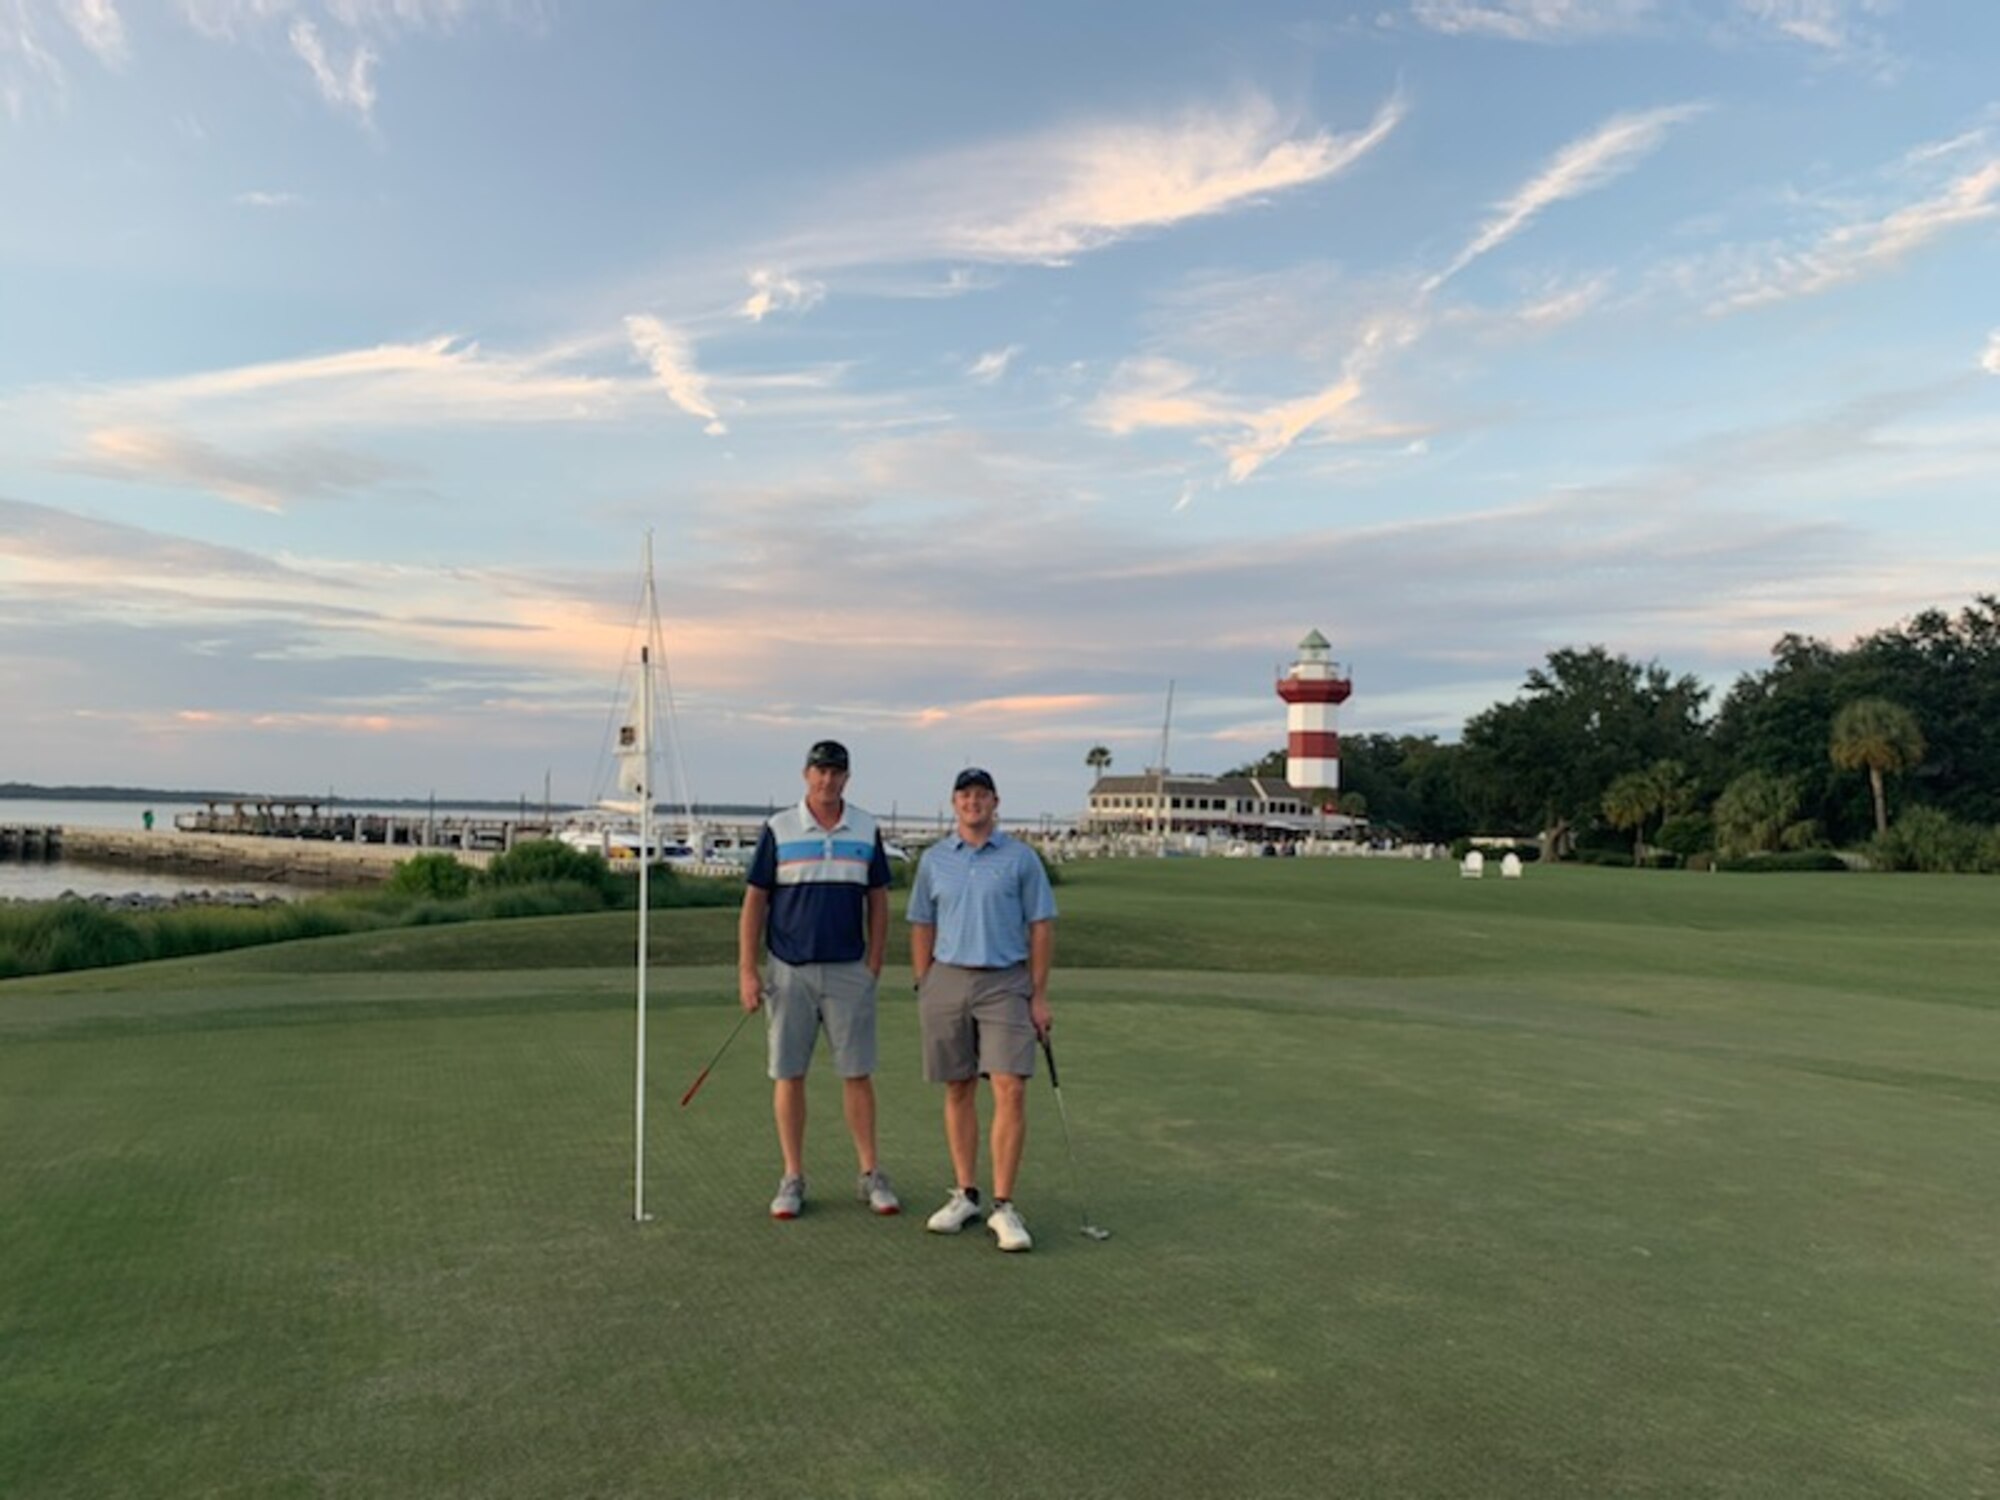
(702, 1076)
(1090, 1231)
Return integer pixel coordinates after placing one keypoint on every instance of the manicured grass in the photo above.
(1598, 1183)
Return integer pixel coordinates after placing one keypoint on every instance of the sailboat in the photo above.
(624, 827)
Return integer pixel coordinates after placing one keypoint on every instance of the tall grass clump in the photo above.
(430, 876)
(544, 862)
(1930, 840)
(57, 935)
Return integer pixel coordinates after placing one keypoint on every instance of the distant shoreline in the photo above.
(25, 791)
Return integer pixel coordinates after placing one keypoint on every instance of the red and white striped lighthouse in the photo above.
(1311, 690)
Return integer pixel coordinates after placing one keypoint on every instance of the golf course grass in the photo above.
(1595, 1183)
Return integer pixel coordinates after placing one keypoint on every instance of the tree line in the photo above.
(1892, 744)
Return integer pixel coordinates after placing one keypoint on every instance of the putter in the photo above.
(702, 1076)
(1090, 1231)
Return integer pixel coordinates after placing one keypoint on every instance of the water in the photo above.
(44, 880)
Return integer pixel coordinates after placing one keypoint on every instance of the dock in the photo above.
(305, 819)
(30, 841)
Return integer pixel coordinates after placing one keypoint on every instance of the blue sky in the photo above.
(976, 373)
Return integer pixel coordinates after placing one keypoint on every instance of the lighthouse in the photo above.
(1311, 690)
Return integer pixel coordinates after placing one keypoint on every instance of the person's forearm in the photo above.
(923, 946)
(1041, 954)
(750, 929)
(878, 931)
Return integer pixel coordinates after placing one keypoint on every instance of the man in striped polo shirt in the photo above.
(818, 898)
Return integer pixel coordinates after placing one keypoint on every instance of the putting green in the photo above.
(1598, 1183)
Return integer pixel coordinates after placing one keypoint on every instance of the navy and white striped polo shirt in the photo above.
(819, 879)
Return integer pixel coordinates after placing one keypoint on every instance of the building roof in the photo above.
(1314, 641)
(1241, 788)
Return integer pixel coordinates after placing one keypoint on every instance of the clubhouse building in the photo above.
(1246, 807)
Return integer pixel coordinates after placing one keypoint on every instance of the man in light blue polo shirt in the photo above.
(982, 942)
(817, 895)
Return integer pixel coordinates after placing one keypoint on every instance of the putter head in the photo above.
(1092, 1232)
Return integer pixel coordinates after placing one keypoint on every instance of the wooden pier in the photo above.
(303, 818)
(30, 841)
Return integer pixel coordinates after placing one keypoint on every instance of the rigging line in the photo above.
(676, 758)
(604, 774)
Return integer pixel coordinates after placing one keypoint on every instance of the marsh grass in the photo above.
(53, 937)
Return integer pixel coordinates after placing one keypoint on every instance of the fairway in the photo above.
(1598, 1183)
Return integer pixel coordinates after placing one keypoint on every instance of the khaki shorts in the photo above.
(800, 999)
(975, 1021)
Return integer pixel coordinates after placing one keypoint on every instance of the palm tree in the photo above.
(1628, 802)
(1099, 759)
(1673, 789)
(1875, 735)
(1758, 811)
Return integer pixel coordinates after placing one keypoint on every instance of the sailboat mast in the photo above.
(1160, 787)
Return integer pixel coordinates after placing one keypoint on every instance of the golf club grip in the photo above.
(699, 1081)
(1049, 1051)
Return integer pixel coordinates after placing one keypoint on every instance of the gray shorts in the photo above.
(975, 1021)
(800, 999)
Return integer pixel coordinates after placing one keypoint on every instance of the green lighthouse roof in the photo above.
(1313, 642)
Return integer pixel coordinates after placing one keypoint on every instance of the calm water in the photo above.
(42, 880)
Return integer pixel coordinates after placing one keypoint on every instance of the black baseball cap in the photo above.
(829, 753)
(973, 776)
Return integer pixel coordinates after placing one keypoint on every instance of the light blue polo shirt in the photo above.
(981, 898)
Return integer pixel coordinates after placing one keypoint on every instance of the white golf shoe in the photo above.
(1005, 1222)
(959, 1211)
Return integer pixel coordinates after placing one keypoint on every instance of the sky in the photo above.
(976, 373)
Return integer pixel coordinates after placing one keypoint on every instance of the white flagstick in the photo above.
(645, 902)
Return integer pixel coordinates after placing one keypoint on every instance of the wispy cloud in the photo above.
(1151, 392)
(257, 198)
(100, 28)
(1049, 198)
(266, 481)
(1831, 25)
(1580, 167)
(1154, 392)
(1161, 393)
(993, 364)
(1276, 428)
(1552, 306)
(772, 291)
(1860, 247)
(347, 86)
(1532, 20)
(27, 67)
(1990, 360)
(442, 380)
(671, 355)
(45, 543)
